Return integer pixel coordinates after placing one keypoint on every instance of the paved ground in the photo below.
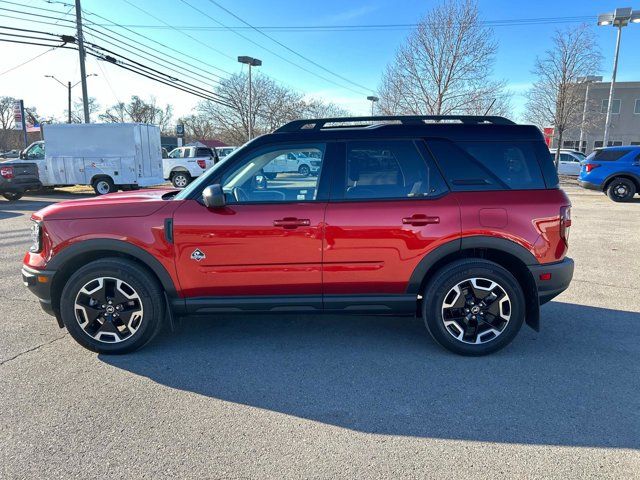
(334, 397)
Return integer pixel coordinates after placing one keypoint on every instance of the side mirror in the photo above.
(213, 196)
(23, 156)
(261, 182)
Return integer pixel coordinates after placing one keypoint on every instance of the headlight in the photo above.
(36, 237)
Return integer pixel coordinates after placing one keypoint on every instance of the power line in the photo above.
(197, 40)
(28, 61)
(271, 51)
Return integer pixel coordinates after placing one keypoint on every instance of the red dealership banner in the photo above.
(548, 135)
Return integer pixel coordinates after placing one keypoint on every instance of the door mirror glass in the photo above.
(213, 197)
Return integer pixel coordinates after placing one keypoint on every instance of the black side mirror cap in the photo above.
(213, 196)
(23, 156)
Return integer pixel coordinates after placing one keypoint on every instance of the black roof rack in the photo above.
(320, 123)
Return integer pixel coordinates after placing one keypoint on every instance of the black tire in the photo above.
(180, 179)
(621, 190)
(271, 175)
(304, 170)
(13, 196)
(143, 284)
(103, 186)
(442, 284)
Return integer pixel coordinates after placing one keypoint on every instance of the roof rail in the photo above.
(320, 123)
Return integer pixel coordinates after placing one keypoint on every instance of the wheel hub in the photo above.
(476, 310)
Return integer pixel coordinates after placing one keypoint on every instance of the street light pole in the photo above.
(252, 62)
(373, 99)
(619, 18)
(613, 81)
(68, 86)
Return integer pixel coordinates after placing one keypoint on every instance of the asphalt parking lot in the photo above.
(334, 397)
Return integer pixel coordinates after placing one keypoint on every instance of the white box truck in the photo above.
(107, 156)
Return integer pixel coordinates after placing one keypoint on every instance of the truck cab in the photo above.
(183, 164)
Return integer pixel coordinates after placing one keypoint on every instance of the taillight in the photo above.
(590, 166)
(565, 223)
(202, 164)
(6, 172)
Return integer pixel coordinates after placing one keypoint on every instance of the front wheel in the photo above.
(621, 190)
(473, 307)
(304, 170)
(112, 306)
(180, 179)
(13, 196)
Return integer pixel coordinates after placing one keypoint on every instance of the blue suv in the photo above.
(613, 170)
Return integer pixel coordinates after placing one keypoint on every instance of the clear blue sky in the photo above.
(359, 56)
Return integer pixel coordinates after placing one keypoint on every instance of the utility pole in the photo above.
(69, 102)
(613, 82)
(81, 53)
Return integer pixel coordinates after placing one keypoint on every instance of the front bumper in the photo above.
(589, 185)
(552, 278)
(39, 283)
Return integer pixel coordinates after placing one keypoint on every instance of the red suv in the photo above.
(457, 219)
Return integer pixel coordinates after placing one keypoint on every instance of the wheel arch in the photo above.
(628, 175)
(99, 176)
(506, 253)
(73, 257)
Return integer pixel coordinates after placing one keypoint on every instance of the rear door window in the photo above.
(470, 166)
(203, 152)
(390, 169)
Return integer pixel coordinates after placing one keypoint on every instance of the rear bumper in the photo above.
(39, 283)
(552, 278)
(589, 185)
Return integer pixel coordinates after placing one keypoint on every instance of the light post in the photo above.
(68, 86)
(588, 80)
(373, 100)
(252, 62)
(619, 18)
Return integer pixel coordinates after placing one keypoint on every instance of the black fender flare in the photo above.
(119, 246)
(466, 243)
(623, 173)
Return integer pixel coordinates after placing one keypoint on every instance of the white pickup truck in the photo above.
(186, 163)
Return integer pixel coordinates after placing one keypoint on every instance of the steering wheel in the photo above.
(240, 195)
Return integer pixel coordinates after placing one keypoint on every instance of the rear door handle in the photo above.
(292, 222)
(420, 220)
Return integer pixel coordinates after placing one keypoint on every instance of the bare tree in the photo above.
(445, 67)
(77, 110)
(556, 97)
(6, 112)
(273, 105)
(197, 127)
(138, 111)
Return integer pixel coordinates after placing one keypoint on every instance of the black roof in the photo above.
(454, 127)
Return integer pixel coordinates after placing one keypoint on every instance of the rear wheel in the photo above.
(473, 307)
(112, 306)
(103, 185)
(180, 179)
(621, 190)
(13, 196)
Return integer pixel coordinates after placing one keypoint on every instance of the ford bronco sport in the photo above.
(459, 220)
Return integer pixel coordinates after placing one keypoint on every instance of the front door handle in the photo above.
(292, 222)
(420, 220)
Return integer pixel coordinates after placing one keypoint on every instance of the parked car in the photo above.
(107, 156)
(18, 177)
(186, 163)
(463, 224)
(614, 171)
(569, 163)
(224, 151)
(292, 162)
(10, 154)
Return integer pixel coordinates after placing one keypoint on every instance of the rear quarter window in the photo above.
(607, 155)
(490, 165)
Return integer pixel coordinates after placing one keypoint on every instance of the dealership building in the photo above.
(625, 116)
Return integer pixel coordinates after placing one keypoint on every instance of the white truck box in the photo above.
(128, 154)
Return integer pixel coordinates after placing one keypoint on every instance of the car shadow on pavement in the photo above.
(574, 384)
